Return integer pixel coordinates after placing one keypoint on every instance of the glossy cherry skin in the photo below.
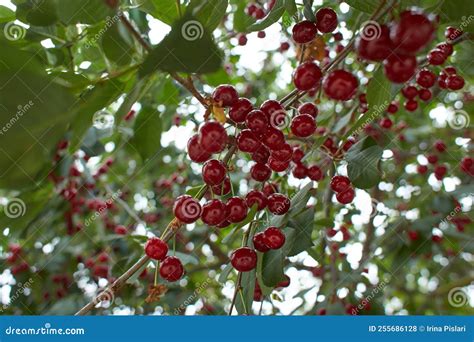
(411, 105)
(273, 138)
(244, 259)
(452, 33)
(274, 237)
(259, 242)
(255, 196)
(314, 173)
(278, 204)
(409, 92)
(303, 125)
(440, 146)
(239, 111)
(225, 95)
(340, 183)
(300, 171)
(400, 68)
(284, 153)
(307, 76)
(261, 155)
(222, 188)
(326, 20)
(346, 196)
(455, 82)
(308, 108)
(171, 268)
(195, 151)
(212, 137)
(340, 85)
(424, 94)
(270, 107)
(213, 212)
(412, 32)
(278, 165)
(187, 209)
(236, 209)
(260, 172)
(304, 32)
(298, 154)
(156, 248)
(247, 141)
(386, 123)
(213, 172)
(426, 78)
(446, 48)
(436, 57)
(371, 48)
(257, 122)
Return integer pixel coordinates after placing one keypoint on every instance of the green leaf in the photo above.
(308, 11)
(266, 290)
(271, 18)
(209, 13)
(362, 163)
(225, 273)
(367, 6)
(163, 10)
(117, 44)
(244, 300)
(84, 11)
(241, 19)
(303, 225)
(186, 258)
(272, 267)
(38, 13)
(173, 54)
(6, 14)
(147, 133)
(290, 7)
(458, 12)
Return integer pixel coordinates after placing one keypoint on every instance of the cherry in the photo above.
(255, 196)
(212, 137)
(455, 82)
(242, 39)
(257, 122)
(239, 111)
(251, 8)
(243, 259)
(426, 78)
(269, 107)
(156, 248)
(187, 209)
(259, 242)
(436, 238)
(467, 165)
(259, 13)
(449, 70)
(225, 95)
(348, 144)
(195, 151)
(298, 154)
(223, 224)
(386, 123)
(340, 183)
(452, 33)
(222, 188)
(314, 173)
(270, 188)
(284, 283)
(303, 125)
(346, 196)
(261, 155)
(340, 85)
(284, 46)
(120, 230)
(274, 237)
(261, 34)
(278, 204)
(412, 32)
(260, 172)
(300, 171)
(236, 209)
(440, 146)
(432, 159)
(213, 212)
(409, 92)
(375, 47)
(411, 105)
(283, 154)
(440, 171)
(304, 32)
(171, 268)
(326, 20)
(247, 141)
(424, 94)
(213, 172)
(308, 108)
(306, 76)
(273, 138)
(413, 235)
(392, 108)
(399, 68)
(278, 165)
(436, 57)
(446, 48)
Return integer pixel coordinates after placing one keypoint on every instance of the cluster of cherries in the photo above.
(342, 186)
(17, 266)
(171, 267)
(440, 170)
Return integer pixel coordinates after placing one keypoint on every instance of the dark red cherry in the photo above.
(340, 85)
(278, 204)
(340, 183)
(432, 158)
(411, 105)
(171, 269)
(306, 76)
(421, 169)
(392, 108)
(213, 212)
(212, 137)
(270, 188)
(304, 32)
(314, 173)
(326, 20)
(452, 33)
(213, 172)
(239, 111)
(187, 209)
(298, 154)
(242, 39)
(436, 57)
(440, 146)
(259, 242)
(260, 172)
(426, 78)
(399, 68)
(375, 44)
(236, 209)
(424, 94)
(386, 123)
(272, 108)
(156, 248)
(195, 151)
(225, 95)
(243, 259)
(255, 196)
(446, 48)
(278, 165)
(308, 108)
(412, 32)
(300, 171)
(284, 153)
(222, 188)
(455, 82)
(247, 141)
(409, 92)
(261, 155)
(303, 125)
(274, 237)
(346, 196)
(257, 122)
(273, 138)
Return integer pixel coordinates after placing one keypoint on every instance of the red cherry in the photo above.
(273, 138)
(187, 209)
(446, 48)
(440, 171)
(436, 238)
(308, 108)
(424, 94)
(278, 165)
(242, 39)
(270, 188)
(247, 141)
(409, 92)
(225, 95)
(283, 154)
(303, 125)
(467, 165)
(412, 32)
(300, 171)
(259, 13)
(432, 159)
(314, 173)
(259, 242)
(278, 204)
(274, 237)
(340, 85)
(449, 70)
(346, 196)
(455, 82)
(222, 188)
(375, 44)
(195, 151)
(326, 20)
(386, 123)
(413, 235)
(440, 146)
(257, 122)
(306, 76)
(236, 209)
(436, 57)
(261, 155)
(213, 172)
(348, 144)
(171, 269)
(156, 248)
(260, 172)
(284, 283)
(421, 169)
(426, 78)
(392, 108)
(243, 259)
(411, 105)
(399, 68)
(120, 230)
(255, 196)
(251, 8)
(340, 183)
(452, 33)
(239, 111)
(223, 224)
(270, 107)
(298, 154)
(212, 137)
(284, 47)
(261, 34)
(213, 212)
(304, 32)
